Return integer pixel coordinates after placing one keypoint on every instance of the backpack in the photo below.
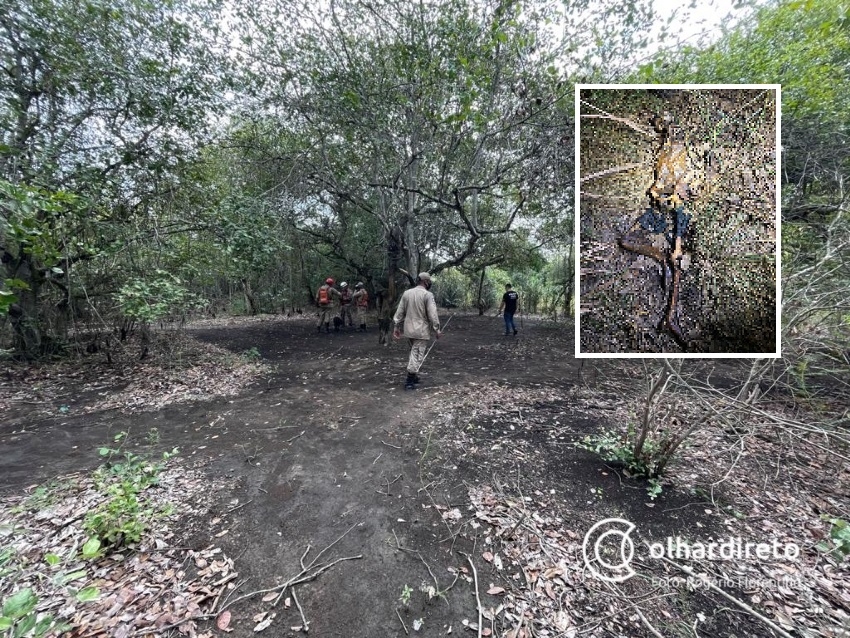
(324, 296)
(363, 300)
(345, 297)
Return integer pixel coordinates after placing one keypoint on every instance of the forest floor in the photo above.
(311, 487)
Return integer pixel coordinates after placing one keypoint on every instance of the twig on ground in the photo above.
(517, 524)
(377, 457)
(388, 482)
(477, 596)
(398, 447)
(301, 611)
(303, 556)
(221, 591)
(239, 507)
(295, 580)
(304, 575)
(406, 633)
(343, 535)
(295, 437)
(233, 591)
(418, 554)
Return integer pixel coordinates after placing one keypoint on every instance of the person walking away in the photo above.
(510, 301)
(361, 304)
(346, 305)
(324, 301)
(417, 310)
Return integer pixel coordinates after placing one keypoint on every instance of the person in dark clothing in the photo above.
(510, 302)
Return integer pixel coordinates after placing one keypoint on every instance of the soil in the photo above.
(328, 450)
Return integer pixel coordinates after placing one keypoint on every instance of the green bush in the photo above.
(125, 515)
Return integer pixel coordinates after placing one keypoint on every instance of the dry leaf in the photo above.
(496, 590)
(265, 624)
(223, 620)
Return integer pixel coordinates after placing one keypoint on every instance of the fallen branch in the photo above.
(301, 577)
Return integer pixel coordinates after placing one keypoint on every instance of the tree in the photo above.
(805, 46)
(101, 104)
(434, 125)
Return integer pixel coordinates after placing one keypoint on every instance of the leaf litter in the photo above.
(536, 538)
(135, 591)
(179, 368)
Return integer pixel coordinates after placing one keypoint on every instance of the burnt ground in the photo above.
(329, 451)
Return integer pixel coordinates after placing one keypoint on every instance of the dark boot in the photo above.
(410, 382)
(328, 328)
(515, 332)
(363, 327)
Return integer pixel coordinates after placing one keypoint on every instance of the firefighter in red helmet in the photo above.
(325, 302)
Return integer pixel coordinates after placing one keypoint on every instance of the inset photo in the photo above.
(677, 236)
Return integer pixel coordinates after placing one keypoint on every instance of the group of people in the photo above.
(416, 316)
(341, 306)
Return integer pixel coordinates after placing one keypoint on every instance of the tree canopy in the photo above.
(247, 151)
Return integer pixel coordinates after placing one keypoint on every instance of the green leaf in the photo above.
(52, 559)
(24, 626)
(104, 451)
(43, 625)
(91, 548)
(68, 578)
(88, 594)
(5, 623)
(20, 604)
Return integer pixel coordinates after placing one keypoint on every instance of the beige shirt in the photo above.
(418, 310)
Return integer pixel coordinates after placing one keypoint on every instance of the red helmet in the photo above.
(329, 281)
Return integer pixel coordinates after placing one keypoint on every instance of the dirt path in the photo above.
(329, 445)
(327, 451)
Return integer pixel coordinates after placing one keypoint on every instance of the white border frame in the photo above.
(778, 225)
